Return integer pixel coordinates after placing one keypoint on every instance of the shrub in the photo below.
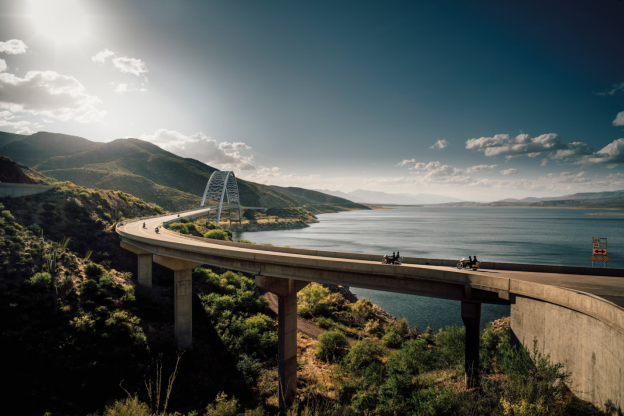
(179, 228)
(49, 206)
(392, 340)
(245, 241)
(313, 297)
(191, 227)
(90, 288)
(218, 235)
(362, 310)
(324, 322)
(362, 354)
(332, 346)
(94, 271)
(261, 322)
(107, 216)
(40, 280)
(83, 323)
(131, 406)
(451, 342)
(84, 195)
(185, 220)
(372, 327)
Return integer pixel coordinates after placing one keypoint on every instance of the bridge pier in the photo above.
(471, 315)
(286, 291)
(183, 298)
(144, 265)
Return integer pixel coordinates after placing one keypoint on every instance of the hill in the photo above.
(34, 149)
(6, 138)
(10, 172)
(156, 175)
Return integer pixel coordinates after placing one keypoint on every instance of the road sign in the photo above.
(599, 258)
(596, 242)
(607, 258)
(600, 251)
(593, 258)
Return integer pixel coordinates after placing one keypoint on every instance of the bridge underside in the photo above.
(421, 286)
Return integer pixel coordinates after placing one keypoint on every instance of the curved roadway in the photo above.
(606, 287)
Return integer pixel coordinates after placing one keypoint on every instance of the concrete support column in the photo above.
(183, 298)
(183, 307)
(286, 291)
(287, 348)
(471, 315)
(145, 269)
(144, 265)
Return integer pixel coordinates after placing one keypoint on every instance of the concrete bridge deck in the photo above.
(571, 314)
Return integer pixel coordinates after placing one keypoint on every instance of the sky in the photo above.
(479, 100)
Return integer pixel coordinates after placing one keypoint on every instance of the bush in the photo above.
(191, 227)
(218, 235)
(179, 228)
(49, 206)
(245, 241)
(324, 322)
(94, 271)
(40, 280)
(90, 288)
(185, 220)
(131, 406)
(392, 340)
(452, 345)
(84, 195)
(313, 296)
(362, 354)
(332, 346)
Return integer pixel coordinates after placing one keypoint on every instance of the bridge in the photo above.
(575, 313)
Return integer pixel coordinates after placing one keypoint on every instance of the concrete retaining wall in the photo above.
(591, 349)
(15, 190)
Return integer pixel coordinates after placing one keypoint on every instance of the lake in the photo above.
(513, 235)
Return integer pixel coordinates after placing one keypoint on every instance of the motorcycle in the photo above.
(465, 264)
(144, 225)
(156, 229)
(388, 260)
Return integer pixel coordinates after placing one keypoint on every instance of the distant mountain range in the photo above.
(384, 198)
(146, 171)
(611, 199)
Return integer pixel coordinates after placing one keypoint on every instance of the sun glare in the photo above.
(59, 21)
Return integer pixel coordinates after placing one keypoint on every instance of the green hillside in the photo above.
(6, 138)
(34, 149)
(149, 172)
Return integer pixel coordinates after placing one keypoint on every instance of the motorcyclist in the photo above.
(156, 229)
(144, 225)
(463, 261)
(475, 261)
(470, 260)
(393, 257)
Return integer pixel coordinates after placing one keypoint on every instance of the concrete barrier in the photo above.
(16, 190)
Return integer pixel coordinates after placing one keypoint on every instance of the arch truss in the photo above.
(222, 185)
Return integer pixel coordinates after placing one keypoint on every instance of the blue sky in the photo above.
(523, 99)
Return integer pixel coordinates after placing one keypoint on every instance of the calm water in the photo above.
(515, 235)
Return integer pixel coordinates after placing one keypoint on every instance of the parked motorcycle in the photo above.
(466, 264)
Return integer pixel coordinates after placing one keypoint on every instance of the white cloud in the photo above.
(522, 144)
(479, 168)
(130, 66)
(406, 162)
(428, 166)
(611, 155)
(274, 176)
(614, 88)
(440, 144)
(102, 56)
(49, 94)
(123, 88)
(510, 171)
(3, 65)
(201, 147)
(574, 149)
(544, 162)
(13, 47)
(619, 119)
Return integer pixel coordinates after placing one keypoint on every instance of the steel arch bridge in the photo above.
(221, 185)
